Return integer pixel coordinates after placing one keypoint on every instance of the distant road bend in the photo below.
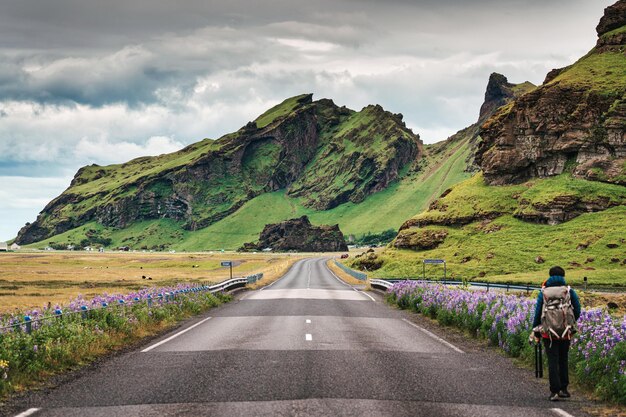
(308, 345)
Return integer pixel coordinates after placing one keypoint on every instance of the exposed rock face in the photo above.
(299, 235)
(324, 154)
(577, 116)
(614, 18)
(561, 209)
(419, 239)
(498, 93)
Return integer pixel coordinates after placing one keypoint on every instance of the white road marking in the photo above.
(434, 336)
(308, 321)
(364, 293)
(308, 283)
(28, 412)
(560, 412)
(308, 337)
(174, 336)
(303, 293)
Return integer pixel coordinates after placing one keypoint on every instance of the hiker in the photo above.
(556, 313)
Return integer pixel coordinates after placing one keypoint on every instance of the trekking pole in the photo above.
(536, 360)
(540, 360)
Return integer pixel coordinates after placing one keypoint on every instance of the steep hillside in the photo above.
(322, 154)
(577, 115)
(546, 149)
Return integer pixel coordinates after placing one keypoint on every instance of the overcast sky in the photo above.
(85, 81)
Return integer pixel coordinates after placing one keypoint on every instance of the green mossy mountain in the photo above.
(551, 189)
(320, 153)
(578, 115)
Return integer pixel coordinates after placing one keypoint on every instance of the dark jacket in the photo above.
(555, 281)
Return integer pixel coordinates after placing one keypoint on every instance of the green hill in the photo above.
(551, 187)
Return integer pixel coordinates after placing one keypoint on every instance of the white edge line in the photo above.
(364, 293)
(434, 336)
(560, 412)
(175, 335)
(28, 412)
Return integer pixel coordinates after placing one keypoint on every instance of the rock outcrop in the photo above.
(301, 236)
(324, 154)
(577, 118)
(499, 92)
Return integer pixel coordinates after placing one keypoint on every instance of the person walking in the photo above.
(556, 313)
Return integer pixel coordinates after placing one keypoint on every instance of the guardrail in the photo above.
(356, 274)
(168, 296)
(381, 284)
(385, 284)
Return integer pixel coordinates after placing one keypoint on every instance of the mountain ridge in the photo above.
(299, 145)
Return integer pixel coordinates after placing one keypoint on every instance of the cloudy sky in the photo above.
(84, 81)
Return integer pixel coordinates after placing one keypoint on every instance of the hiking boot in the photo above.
(554, 396)
(564, 393)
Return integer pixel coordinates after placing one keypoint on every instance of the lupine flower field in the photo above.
(58, 338)
(598, 353)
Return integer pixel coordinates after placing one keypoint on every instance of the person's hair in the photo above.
(557, 271)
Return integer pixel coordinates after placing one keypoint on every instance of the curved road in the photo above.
(308, 345)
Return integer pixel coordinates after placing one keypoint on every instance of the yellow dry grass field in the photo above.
(34, 279)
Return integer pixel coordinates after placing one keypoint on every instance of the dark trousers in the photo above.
(557, 352)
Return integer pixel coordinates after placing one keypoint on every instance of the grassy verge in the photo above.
(598, 354)
(61, 344)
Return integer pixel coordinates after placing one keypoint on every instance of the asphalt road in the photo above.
(308, 345)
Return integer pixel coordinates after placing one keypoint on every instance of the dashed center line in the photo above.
(308, 321)
(308, 337)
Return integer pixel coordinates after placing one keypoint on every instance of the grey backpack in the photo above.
(557, 316)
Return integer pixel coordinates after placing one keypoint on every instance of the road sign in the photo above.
(434, 261)
(227, 263)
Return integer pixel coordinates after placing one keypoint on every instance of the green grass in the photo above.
(507, 253)
(281, 110)
(474, 198)
(604, 73)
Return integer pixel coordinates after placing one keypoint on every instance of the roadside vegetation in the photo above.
(88, 329)
(598, 354)
(36, 279)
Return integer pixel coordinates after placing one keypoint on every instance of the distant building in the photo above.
(4, 247)
(15, 246)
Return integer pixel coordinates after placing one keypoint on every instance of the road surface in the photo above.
(308, 345)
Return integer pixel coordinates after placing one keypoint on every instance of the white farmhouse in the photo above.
(4, 247)
(15, 246)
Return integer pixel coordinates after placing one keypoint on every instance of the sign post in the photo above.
(230, 264)
(433, 261)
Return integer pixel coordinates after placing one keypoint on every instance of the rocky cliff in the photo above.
(301, 236)
(323, 154)
(499, 92)
(576, 118)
